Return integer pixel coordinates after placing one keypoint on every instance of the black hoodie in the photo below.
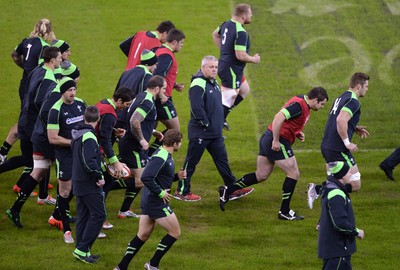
(206, 110)
(87, 165)
(337, 223)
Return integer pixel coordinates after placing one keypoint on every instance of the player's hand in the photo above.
(118, 169)
(179, 87)
(256, 58)
(158, 135)
(301, 136)
(276, 145)
(352, 147)
(119, 132)
(167, 196)
(100, 182)
(182, 174)
(361, 234)
(144, 144)
(362, 132)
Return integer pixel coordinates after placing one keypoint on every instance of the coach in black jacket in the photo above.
(337, 232)
(205, 127)
(87, 182)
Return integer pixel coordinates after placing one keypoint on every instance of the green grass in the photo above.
(357, 36)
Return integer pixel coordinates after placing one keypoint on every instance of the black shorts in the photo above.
(165, 111)
(46, 150)
(332, 156)
(231, 76)
(63, 164)
(265, 145)
(133, 158)
(156, 211)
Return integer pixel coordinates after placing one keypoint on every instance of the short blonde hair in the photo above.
(241, 9)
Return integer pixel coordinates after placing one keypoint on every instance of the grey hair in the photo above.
(207, 59)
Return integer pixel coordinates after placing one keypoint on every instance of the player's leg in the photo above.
(289, 166)
(171, 225)
(355, 179)
(131, 192)
(65, 188)
(41, 172)
(146, 227)
(12, 137)
(244, 90)
(388, 165)
(166, 114)
(194, 153)
(96, 215)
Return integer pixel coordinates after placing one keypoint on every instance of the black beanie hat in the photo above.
(61, 44)
(65, 84)
(148, 58)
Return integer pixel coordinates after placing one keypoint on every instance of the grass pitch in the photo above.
(302, 44)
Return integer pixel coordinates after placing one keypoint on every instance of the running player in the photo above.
(134, 146)
(167, 67)
(341, 125)
(276, 148)
(234, 44)
(157, 178)
(133, 46)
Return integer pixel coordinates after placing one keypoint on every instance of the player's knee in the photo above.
(262, 176)
(144, 236)
(175, 233)
(294, 175)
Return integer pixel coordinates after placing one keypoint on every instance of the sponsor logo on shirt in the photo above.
(74, 120)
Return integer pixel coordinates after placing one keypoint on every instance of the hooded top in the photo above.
(337, 223)
(206, 110)
(87, 165)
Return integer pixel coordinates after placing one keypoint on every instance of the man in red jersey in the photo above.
(167, 67)
(276, 148)
(133, 46)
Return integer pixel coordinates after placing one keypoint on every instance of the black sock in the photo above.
(246, 181)
(27, 171)
(12, 164)
(63, 205)
(226, 111)
(27, 187)
(43, 186)
(318, 189)
(5, 148)
(133, 248)
(130, 195)
(56, 212)
(162, 248)
(238, 99)
(287, 191)
(71, 196)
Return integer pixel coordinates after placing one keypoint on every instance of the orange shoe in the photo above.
(190, 197)
(17, 189)
(50, 186)
(56, 223)
(240, 193)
